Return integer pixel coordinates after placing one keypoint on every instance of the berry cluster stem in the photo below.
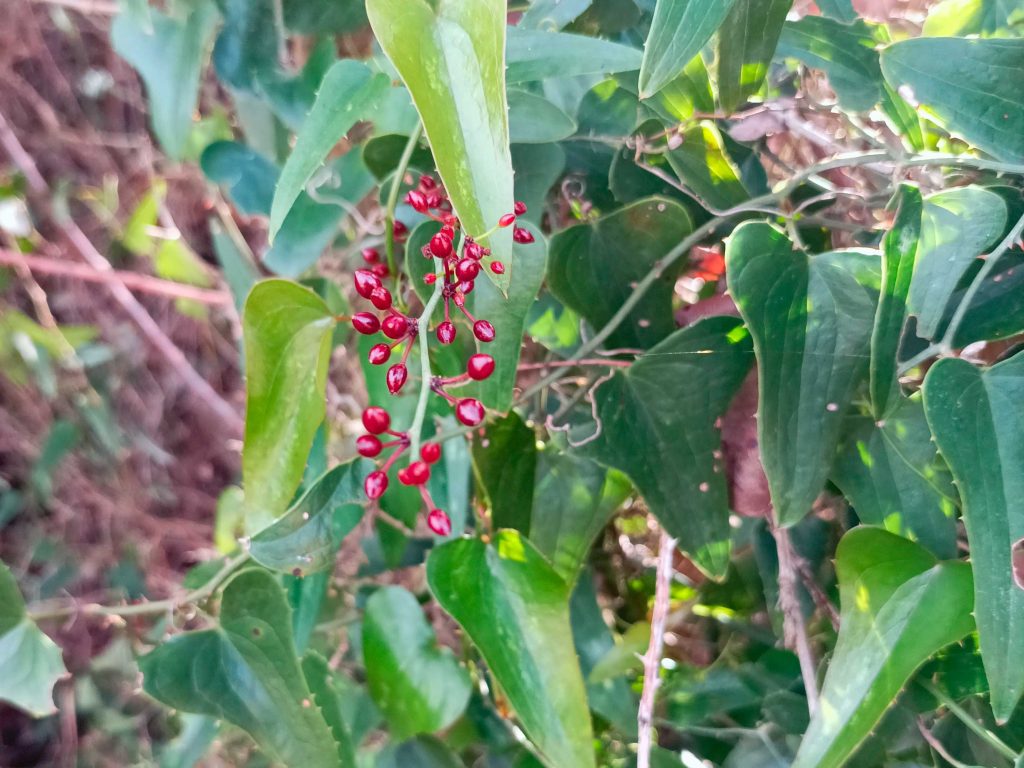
(425, 375)
(396, 187)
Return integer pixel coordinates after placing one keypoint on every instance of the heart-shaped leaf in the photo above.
(899, 607)
(811, 319)
(746, 44)
(535, 120)
(703, 165)
(515, 608)
(535, 55)
(287, 333)
(246, 672)
(977, 421)
(679, 30)
(451, 56)
(657, 424)
(419, 687)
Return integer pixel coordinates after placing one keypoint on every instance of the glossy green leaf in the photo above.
(514, 607)
(328, 696)
(892, 475)
(959, 18)
(593, 266)
(690, 91)
(349, 92)
(420, 687)
(679, 31)
(657, 424)
(287, 333)
(306, 538)
(997, 309)
(702, 163)
(957, 225)
(535, 55)
(811, 319)
(169, 56)
(532, 119)
(746, 44)
(552, 15)
(245, 671)
(970, 86)
(977, 421)
(899, 250)
(506, 461)
(30, 662)
(450, 54)
(899, 607)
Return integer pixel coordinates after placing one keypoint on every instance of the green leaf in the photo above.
(450, 54)
(997, 309)
(840, 10)
(245, 671)
(593, 266)
(30, 662)
(959, 18)
(306, 538)
(534, 55)
(899, 250)
(349, 92)
(552, 14)
(538, 167)
(514, 607)
(420, 687)
(248, 176)
(892, 475)
(506, 462)
(703, 165)
(970, 87)
(811, 319)
(657, 424)
(899, 607)
(678, 32)
(287, 334)
(169, 56)
(420, 752)
(535, 120)
(746, 45)
(977, 421)
(957, 225)
(247, 43)
(328, 695)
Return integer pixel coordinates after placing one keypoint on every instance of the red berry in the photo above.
(434, 200)
(380, 297)
(381, 270)
(473, 251)
(418, 472)
(397, 374)
(400, 230)
(447, 231)
(376, 420)
(519, 208)
(469, 411)
(466, 286)
(366, 323)
(467, 269)
(521, 235)
(430, 278)
(483, 330)
(375, 484)
(506, 220)
(430, 452)
(427, 182)
(368, 446)
(379, 354)
(371, 255)
(441, 245)
(395, 326)
(366, 282)
(439, 522)
(417, 200)
(446, 332)
(497, 268)
(480, 366)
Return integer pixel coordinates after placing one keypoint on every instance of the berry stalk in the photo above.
(425, 375)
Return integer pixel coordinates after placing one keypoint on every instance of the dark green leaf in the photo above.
(959, 18)
(506, 462)
(421, 752)
(291, 96)
(658, 425)
(977, 420)
(811, 319)
(320, 17)
(381, 155)
(532, 119)
(247, 43)
(534, 55)
(703, 165)
(746, 45)
(997, 310)
(840, 10)
(247, 175)
(418, 686)
(514, 607)
(538, 167)
(326, 695)
(899, 607)
(689, 92)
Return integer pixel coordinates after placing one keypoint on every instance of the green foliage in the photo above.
(746, 44)
(679, 30)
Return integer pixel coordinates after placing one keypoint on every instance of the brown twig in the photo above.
(794, 626)
(652, 659)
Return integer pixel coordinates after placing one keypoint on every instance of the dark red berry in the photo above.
(469, 411)
(446, 332)
(368, 445)
(430, 278)
(466, 286)
(366, 323)
(376, 420)
(521, 235)
(498, 267)
(473, 251)
(447, 231)
(519, 208)
(418, 473)
(366, 282)
(375, 484)
(467, 269)
(479, 366)
(483, 330)
(381, 270)
(506, 220)
(439, 522)
(400, 230)
(427, 182)
(430, 452)
(417, 200)
(397, 375)
(380, 297)
(395, 326)
(441, 245)
(371, 255)
(379, 354)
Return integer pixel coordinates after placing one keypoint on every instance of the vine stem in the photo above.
(794, 626)
(422, 329)
(396, 186)
(965, 717)
(652, 659)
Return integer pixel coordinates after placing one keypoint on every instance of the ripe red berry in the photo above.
(417, 200)
(379, 354)
(418, 473)
(381, 270)
(397, 375)
(447, 231)
(439, 522)
(446, 332)
(366, 323)
(497, 267)
(400, 230)
(395, 326)
(430, 278)
(375, 484)
(466, 286)
(427, 182)
(506, 220)
(467, 269)
(371, 255)
(473, 251)
(522, 236)
(376, 420)
(483, 330)
(434, 200)
(441, 245)
(480, 366)
(469, 411)
(519, 208)
(366, 282)
(380, 297)
(430, 452)
(368, 445)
